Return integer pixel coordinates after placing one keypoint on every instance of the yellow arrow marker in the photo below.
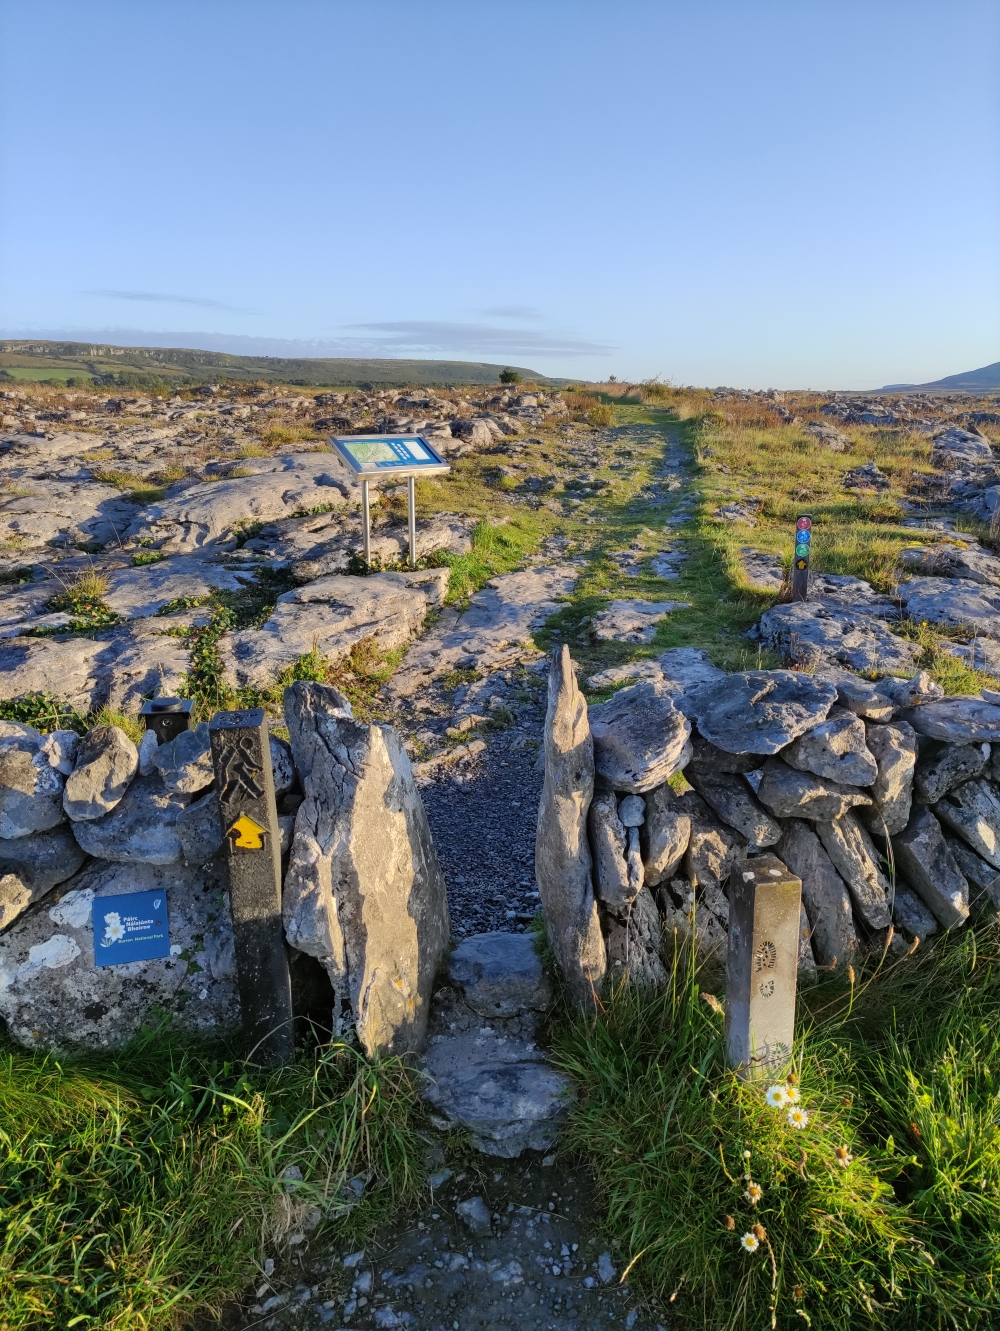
(247, 834)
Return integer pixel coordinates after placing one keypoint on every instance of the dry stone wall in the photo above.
(882, 797)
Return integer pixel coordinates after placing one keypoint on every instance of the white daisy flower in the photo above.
(797, 1118)
(749, 1242)
(794, 1094)
(753, 1193)
(777, 1096)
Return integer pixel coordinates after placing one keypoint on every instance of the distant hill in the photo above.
(986, 380)
(26, 358)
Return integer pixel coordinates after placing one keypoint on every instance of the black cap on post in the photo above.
(167, 716)
(244, 783)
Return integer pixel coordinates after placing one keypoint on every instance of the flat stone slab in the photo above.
(640, 738)
(199, 515)
(927, 864)
(762, 571)
(64, 512)
(496, 627)
(500, 1090)
(500, 974)
(794, 794)
(956, 720)
(332, 615)
(834, 749)
(953, 603)
(958, 446)
(760, 711)
(633, 621)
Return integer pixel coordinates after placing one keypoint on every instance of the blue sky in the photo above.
(763, 194)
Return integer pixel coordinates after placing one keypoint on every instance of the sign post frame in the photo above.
(402, 456)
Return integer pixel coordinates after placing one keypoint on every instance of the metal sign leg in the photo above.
(411, 508)
(366, 521)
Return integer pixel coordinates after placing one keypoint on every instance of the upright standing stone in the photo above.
(364, 892)
(765, 900)
(562, 856)
(249, 820)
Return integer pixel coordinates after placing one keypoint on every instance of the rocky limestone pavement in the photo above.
(491, 633)
(331, 616)
(563, 860)
(52, 995)
(632, 621)
(961, 559)
(952, 603)
(363, 893)
(820, 633)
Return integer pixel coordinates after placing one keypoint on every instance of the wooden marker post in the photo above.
(764, 903)
(800, 559)
(244, 783)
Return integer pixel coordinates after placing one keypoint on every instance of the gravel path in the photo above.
(482, 818)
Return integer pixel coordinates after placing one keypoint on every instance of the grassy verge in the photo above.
(882, 1210)
(142, 1190)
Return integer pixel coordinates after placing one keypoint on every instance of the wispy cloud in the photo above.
(512, 312)
(162, 298)
(472, 339)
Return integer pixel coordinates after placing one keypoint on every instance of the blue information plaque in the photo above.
(130, 927)
(371, 454)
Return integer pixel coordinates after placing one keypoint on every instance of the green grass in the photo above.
(907, 1234)
(495, 549)
(143, 1189)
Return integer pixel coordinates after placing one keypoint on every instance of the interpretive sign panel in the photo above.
(131, 926)
(244, 783)
(372, 454)
(800, 559)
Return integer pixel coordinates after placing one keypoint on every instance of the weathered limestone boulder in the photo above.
(824, 895)
(106, 762)
(664, 834)
(910, 691)
(609, 848)
(282, 766)
(640, 738)
(942, 767)
(30, 788)
(956, 720)
(834, 749)
(701, 914)
(734, 802)
(952, 603)
(860, 696)
(791, 794)
(973, 811)
(854, 857)
(713, 848)
(53, 996)
(563, 862)
(684, 670)
(761, 711)
(632, 811)
(634, 942)
(954, 559)
(894, 749)
(911, 915)
(924, 859)
(820, 633)
(983, 878)
(140, 829)
(364, 891)
(146, 747)
(32, 866)
(185, 763)
(60, 748)
(500, 974)
(199, 829)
